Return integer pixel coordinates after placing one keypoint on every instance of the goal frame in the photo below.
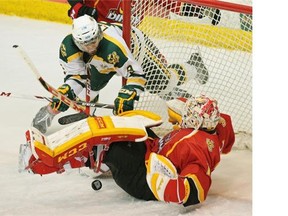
(209, 3)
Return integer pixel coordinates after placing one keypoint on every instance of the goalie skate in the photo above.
(202, 72)
(25, 154)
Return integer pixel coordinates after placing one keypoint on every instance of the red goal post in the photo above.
(179, 28)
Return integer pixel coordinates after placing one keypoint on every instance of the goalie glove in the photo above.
(43, 119)
(164, 182)
(125, 100)
(56, 104)
(80, 9)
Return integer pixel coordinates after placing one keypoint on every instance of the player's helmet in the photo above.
(200, 112)
(86, 33)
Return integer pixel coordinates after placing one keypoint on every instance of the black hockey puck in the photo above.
(15, 46)
(96, 185)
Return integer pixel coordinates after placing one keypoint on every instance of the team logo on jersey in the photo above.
(210, 145)
(63, 50)
(130, 69)
(113, 58)
(117, 16)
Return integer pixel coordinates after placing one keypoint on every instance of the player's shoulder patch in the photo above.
(68, 48)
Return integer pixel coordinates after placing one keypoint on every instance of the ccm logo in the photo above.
(72, 152)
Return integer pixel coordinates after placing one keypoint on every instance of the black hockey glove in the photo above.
(79, 10)
(58, 105)
(89, 11)
(125, 100)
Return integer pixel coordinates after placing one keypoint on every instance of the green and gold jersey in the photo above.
(112, 57)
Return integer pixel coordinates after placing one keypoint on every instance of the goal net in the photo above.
(221, 34)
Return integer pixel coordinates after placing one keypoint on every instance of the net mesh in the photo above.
(174, 32)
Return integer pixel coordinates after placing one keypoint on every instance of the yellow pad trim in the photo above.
(144, 113)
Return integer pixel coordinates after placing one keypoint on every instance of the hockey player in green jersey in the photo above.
(90, 57)
(95, 52)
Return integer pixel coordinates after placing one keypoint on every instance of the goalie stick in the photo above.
(73, 104)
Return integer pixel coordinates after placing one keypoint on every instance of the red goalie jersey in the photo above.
(195, 154)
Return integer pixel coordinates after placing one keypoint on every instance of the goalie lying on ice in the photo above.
(176, 168)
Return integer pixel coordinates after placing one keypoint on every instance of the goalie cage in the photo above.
(221, 32)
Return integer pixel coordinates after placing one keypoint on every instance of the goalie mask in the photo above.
(86, 34)
(200, 113)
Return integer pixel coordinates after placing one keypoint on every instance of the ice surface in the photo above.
(71, 193)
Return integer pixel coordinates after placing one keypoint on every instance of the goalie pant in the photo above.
(194, 154)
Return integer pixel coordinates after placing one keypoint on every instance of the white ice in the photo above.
(71, 193)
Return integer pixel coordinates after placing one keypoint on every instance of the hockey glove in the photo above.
(80, 9)
(164, 182)
(58, 105)
(43, 119)
(125, 100)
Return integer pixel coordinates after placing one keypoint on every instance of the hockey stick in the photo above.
(74, 105)
(38, 97)
(24, 96)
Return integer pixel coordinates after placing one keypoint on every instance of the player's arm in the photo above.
(164, 181)
(79, 8)
(225, 133)
(190, 187)
(73, 63)
(199, 183)
(125, 65)
(129, 92)
(75, 79)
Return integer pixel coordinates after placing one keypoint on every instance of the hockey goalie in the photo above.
(175, 168)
